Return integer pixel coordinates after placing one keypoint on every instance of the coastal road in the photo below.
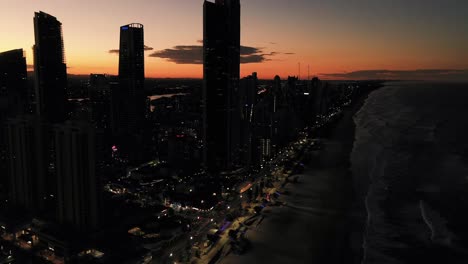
(312, 227)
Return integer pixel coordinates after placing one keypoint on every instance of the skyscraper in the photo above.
(13, 88)
(221, 63)
(98, 87)
(49, 68)
(13, 99)
(247, 102)
(78, 187)
(99, 96)
(130, 97)
(27, 170)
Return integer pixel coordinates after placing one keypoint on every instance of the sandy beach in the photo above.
(314, 224)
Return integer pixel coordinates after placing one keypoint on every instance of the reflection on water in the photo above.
(159, 96)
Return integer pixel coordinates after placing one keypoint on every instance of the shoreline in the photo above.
(357, 214)
(319, 211)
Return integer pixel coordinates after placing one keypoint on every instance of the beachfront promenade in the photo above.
(312, 226)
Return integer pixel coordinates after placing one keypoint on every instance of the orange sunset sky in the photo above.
(331, 36)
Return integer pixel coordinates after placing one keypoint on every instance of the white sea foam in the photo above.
(399, 158)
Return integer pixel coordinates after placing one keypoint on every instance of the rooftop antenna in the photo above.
(308, 72)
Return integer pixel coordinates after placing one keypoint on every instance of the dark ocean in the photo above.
(410, 167)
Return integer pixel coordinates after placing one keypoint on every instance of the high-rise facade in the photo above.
(27, 163)
(130, 96)
(13, 86)
(247, 102)
(98, 87)
(78, 187)
(99, 97)
(13, 99)
(49, 68)
(221, 63)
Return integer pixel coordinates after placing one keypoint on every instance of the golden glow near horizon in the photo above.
(332, 37)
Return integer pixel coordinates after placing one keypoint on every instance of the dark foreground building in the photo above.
(13, 100)
(78, 187)
(221, 63)
(13, 86)
(27, 170)
(49, 68)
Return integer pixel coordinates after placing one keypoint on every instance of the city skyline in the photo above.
(338, 40)
(268, 131)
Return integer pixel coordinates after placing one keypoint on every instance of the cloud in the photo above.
(421, 74)
(257, 56)
(116, 51)
(244, 50)
(189, 54)
(253, 58)
(193, 54)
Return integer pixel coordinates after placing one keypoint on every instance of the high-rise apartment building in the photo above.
(13, 99)
(13, 84)
(27, 162)
(221, 63)
(130, 96)
(78, 186)
(50, 69)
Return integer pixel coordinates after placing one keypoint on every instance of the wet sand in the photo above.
(315, 225)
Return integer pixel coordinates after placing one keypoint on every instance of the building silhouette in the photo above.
(27, 170)
(49, 68)
(128, 101)
(115, 99)
(13, 86)
(78, 187)
(98, 87)
(13, 99)
(130, 97)
(99, 100)
(276, 97)
(221, 63)
(247, 101)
